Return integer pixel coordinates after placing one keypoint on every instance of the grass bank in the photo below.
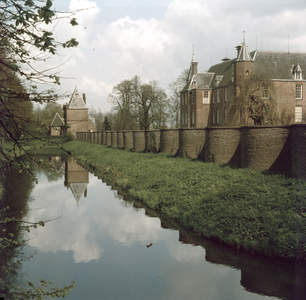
(247, 209)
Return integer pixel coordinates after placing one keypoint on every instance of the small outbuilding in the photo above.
(57, 125)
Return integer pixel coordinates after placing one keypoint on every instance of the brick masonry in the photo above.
(139, 141)
(120, 143)
(191, 143)
(108, 138)
(275, 148)
(169, 141)
(222, 145)
(266, 148)
(128, 140)
(152, 140)
(114, 139)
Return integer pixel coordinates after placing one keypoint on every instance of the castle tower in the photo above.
(243, 66)
(76, 113)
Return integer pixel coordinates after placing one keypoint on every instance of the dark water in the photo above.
(100, 241)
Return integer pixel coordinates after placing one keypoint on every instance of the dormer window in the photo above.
(297, 72)
(194, 84)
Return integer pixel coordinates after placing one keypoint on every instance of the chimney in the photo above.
(238, 49)
(84, 98)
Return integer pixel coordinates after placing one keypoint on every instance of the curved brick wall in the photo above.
(108, 138)
(99, 136)
(299, 150)
(120, 143)
(169, 141)
(139, 140)
(223, 145)
(103, 138)
(266, 148)
(191, 143)
(114, 139)
(128, 140)
(152, 140)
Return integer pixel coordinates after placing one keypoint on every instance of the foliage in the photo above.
(244, 208)
(256, 101)
(135, 101)
(174, 101)
(44, 116)
(106, 123)
(98, 116)
(26, 38)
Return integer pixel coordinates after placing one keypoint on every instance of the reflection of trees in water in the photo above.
(17, 188)
(53, 169)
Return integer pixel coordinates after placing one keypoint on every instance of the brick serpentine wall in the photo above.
(275, 148)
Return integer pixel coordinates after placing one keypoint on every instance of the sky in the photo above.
(154, 39)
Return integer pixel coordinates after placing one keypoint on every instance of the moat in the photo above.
(100, 239)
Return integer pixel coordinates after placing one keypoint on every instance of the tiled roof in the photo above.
(279, 65)
(57, 121)
(76, 101)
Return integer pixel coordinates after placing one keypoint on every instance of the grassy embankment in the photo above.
(46, 145)
(247, 209)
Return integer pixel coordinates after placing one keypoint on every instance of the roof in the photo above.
(272, 64)
(78, 190)
(279, 65)
(57, 121)
(76, 101)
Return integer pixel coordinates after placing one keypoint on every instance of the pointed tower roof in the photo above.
(243, 54)
(76, 101)
(57, 120)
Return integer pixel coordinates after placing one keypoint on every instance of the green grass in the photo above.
(247, 209)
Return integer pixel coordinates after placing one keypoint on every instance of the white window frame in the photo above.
(226, 94)
(218, 95)
(225, 114)
(298, 75)
(265, 92)
(298, 91)
(206, 99)
(218, 116)
(298, 113)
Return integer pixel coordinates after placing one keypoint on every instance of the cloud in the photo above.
(160, 48)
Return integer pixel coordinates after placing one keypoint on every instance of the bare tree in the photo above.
(174, 101)
(255, 103)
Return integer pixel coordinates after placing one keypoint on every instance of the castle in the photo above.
(206, 97)
(75, 117)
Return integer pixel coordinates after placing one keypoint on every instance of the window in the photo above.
(186, 118)
(298, 113)
(205, 97)
(182, 119)
(265, 91)
(194, 84)
(214, 96)
(218, 116)
(247, 73)
(298, 91)
(226, 94)
(218, 96)
(192, 97)
(193, 117)
(298, 75)
(225, 114)
(214, 117)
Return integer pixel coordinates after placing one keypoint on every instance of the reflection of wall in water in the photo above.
(259, 274)
(76, 178)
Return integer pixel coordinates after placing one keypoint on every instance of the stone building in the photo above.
(206, 97)
(57, 126)
(76, 114)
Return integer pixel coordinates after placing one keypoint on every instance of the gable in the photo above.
(76, 101)
(57, 121)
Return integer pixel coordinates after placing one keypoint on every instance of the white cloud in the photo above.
(161, 48)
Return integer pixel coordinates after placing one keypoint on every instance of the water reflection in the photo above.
(100, 241)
